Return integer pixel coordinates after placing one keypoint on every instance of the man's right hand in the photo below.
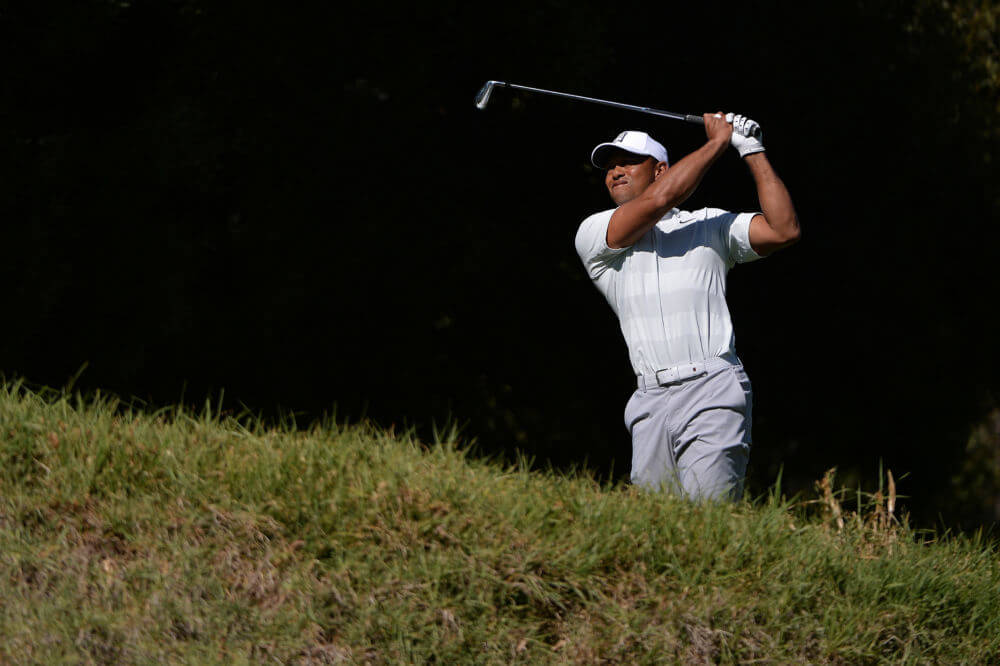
(717, 128)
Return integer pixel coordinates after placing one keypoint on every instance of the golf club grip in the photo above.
(698, 120)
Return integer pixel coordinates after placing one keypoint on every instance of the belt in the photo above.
(683, 372)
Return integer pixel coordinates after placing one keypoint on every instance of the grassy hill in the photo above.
(132, 537)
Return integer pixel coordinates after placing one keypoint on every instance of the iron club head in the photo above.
(483, 96)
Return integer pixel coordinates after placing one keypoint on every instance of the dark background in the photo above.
(298, 203)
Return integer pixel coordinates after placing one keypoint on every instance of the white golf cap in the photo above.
(631, 141)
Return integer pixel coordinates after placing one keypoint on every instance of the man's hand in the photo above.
(746, 136)
(716, 127)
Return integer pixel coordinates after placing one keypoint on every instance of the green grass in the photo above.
(137, 537)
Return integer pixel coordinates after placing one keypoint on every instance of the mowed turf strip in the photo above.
(129, 537)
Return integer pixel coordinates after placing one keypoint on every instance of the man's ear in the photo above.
(661, 168)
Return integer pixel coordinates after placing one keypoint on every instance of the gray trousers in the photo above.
(692, 435)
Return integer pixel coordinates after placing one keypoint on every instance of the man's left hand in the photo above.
(746, 135)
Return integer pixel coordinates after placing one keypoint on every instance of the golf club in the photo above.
(483, 98)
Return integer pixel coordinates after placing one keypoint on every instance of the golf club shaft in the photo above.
(618, 105)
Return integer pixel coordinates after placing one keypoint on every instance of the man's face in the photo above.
(628, 175)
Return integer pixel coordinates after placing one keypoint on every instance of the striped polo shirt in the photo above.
(669, 288)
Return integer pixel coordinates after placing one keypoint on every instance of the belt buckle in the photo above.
(680, 373)
(670, 375)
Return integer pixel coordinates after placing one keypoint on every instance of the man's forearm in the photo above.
(775, 202)
(684, 177)
(633, 219)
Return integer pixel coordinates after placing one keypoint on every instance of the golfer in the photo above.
(663, 270)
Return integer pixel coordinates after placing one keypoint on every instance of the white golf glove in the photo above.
(744, 131)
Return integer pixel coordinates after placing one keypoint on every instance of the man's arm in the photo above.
(633, 219)
(778, 227)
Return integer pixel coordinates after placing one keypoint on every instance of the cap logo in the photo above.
(620, 137)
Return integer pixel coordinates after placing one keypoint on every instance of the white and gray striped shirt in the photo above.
(669, 289)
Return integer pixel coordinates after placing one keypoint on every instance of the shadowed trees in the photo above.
(301, 205)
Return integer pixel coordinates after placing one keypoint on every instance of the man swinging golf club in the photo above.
(663, 271)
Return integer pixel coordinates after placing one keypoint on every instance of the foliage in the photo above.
(976, 486)
(974, 25)
(130, 537)
(971, 27)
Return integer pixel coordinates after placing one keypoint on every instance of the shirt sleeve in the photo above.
(736, 235)
(592, 244)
